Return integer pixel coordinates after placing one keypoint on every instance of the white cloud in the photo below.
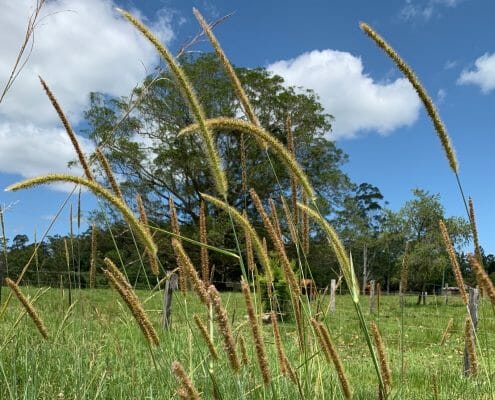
(449, 64)
(80, 46)
(357, 102)
(425, 9)
(482, 75)
(441, 95)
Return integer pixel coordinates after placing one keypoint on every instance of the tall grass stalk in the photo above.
(192, 100)
(347, 269)
(40, 325)
(98, 190)
(239, 126)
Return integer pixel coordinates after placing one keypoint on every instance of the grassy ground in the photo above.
(96, 350)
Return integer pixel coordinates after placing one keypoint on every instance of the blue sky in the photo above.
(318, 44)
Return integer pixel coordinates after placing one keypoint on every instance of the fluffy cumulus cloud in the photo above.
(80, 46)
(357, 102)
(482, 75)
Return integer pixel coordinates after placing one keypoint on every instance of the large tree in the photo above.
(149, 157)
(427, 256)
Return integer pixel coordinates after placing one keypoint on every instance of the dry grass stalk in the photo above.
(189, 270)
(265, 245)
(29, 307)
(285, 366)
(203, 238)
(332, 356)
(68, 129)
(453, 260)
(404, 272)
(242, 346)
(98, 190)
(257, 336)
(279, 246)
(153, 259)
(244, 182)
(174, 222)
(249, 249)
(305, 226)
(382, 357)
(120, 283)
(225, 329)
(446, 332)
(236, 83)
(92, 262)
(244, 223)
(182, 393)
(109, 174)
(482, 277)
(275, 220)
(420, 90)
(192, 100)
(282, 358)
(293, 180)
(185, 380)
(206, 336)
(339, 250)
(290, 276)
(471, 346)
(118, 274)
(290, 220)
(474, 228)
(238, 126)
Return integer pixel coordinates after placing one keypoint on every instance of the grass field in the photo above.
(95, 350)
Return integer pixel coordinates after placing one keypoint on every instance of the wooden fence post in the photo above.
(474, 295)
(372, 297)
(171, 284)
(332, 295)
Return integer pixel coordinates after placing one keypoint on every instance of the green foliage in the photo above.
(281, 291)
(149, 157)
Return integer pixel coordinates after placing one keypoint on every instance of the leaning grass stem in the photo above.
(225, 329)
(420, 90)
(181, 374)
(236, 83)
(241, 220)
(472, 219)
(446, 332)
(185, 263)
(68, 129)
(382, 356)
(482, 277)
(331, 355)
(130, 298)
(453, 260)
(192, 101)
(108, 172)
(203, 238)
(98, 190)
(29, 307)
(206, 336)
(236, 125)
(257, 336)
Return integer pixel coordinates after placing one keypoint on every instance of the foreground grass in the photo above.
(96, 350)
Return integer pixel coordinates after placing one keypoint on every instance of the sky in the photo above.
(84, 45)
